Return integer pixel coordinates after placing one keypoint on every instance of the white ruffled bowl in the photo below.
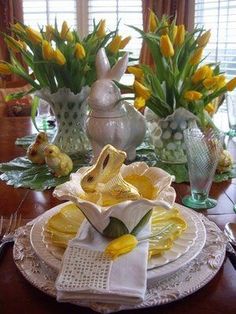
(125, 217)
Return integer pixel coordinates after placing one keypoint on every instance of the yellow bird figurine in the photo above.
(35, 151)
(103, 180)
(60, 163)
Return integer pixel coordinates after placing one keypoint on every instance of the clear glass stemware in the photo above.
(203, 150)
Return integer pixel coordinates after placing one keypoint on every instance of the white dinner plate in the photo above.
(185, 248)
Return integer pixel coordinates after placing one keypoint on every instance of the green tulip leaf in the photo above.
(142, 223)
(115, 228)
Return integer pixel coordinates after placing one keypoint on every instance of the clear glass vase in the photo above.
(167, 134)
(70, 111)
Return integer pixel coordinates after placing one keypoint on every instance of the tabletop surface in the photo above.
(18, 296)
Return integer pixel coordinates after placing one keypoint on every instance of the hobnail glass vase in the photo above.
(166, 134)
(70, 111)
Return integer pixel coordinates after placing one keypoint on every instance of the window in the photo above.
(220, 17)
(81, 13)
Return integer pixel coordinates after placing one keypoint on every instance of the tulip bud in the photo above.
(124, 42)
(196, 58)
(64, 30)
(59, 57)
(166, 47)
(174, 33)
(114, 45)
(79, 51)
(180, 35)
(5, 69)
(139, 103)
(121, 245)
(47, 50)
(137, 72)
(18, 28)
(152, 22)
(33, 35)
(14, 45)
(101, 31)
(192, 95)
(231, 85)
(141, 91)
(49, 32)
(220, 81)
(203, 40)
(210, 108)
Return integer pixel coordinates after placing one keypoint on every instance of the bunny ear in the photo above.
(119, 68)
(102, 64)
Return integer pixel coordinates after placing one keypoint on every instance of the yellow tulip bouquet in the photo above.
(58, 58)
(178, 77)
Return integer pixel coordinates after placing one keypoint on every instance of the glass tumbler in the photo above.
(231, 110)
(203, 150)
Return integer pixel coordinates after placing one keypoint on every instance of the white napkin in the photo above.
(87, 275)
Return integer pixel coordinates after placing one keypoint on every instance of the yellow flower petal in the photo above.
(196, 58)
(18, 28)
(192, 95)
(47, 50)
(139, 103)
(64, 30)
(166, 47)
(79, 51)
(121, 245)
(59, 57)
(201, 74)
(5, 69)
(137, 72)
(14, 45)
(124, 42)
(101, 31)
(152, 22)
(203, 40)
(33, 35)
(180, 35)
(114, 45)
(231, 85)
(210, 108)
(141, 91)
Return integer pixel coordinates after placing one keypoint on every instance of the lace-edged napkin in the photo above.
(89, 276)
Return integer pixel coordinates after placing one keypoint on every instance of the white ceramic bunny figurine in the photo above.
(110, 121)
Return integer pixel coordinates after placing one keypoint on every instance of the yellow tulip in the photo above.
(101, 31)
(49, 32)
(180, 35)
(220, 81)
(201, 74)
(59, 57)
(174, 32)
(210, 108)
(164, 30)
(139, 103)
(33, 35)
(121, 245)
(124, 42)
(192, 95)
(231, 85)
(196, 58)
(152, 22)
(166, 47)
(215, 82)
(79, 51)
(114, 45)
(137, 72)
(47, 50)
(203, 40)
(64, 30)
(5, 69)
(18, 28)
(15, 45)
(141, 91)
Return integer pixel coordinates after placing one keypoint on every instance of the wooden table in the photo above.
(19, 296)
